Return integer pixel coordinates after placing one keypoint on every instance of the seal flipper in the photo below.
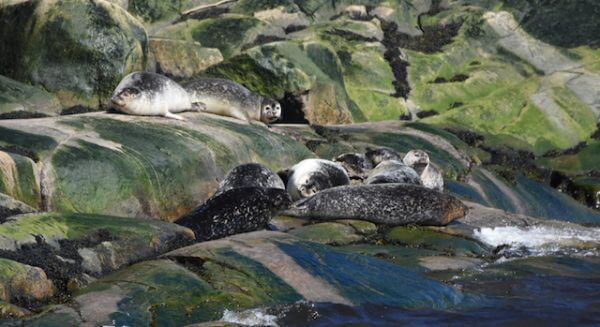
(168, 114)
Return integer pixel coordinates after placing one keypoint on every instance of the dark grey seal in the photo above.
(250, 175)
(381, 154)
(357, 165)
(393, 171)
(387, 204)
(239, 210)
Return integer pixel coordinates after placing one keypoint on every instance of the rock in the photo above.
(285, 223)
(287, 21)
(133, 166)
(18, 180)
(436, 241)
(68, 246)
(181, 59)
(11, 207)
(18, 100)
(8, 311)
(330, 233)
(78, 50)
(388, 204)
(449, 263)
(20, 283)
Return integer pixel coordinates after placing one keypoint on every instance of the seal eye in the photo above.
(268, 108)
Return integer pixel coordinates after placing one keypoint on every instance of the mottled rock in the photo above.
(18, 100)
(181, 59)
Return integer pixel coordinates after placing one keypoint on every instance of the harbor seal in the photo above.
(387, 204)
(393, 171)
(310, 176)
(238, 210)
(376, 156)
(430, 176)
(228, 98)
(357, 165)
(250, 175)
(150, 94)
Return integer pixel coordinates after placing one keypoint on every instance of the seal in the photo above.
(227, 98)
(310, 176)
(238, 210)
(430, 176)
(381, 154)
(386, 204)
(393, 171)
(250, 175)
(150, 94)
(357, 165)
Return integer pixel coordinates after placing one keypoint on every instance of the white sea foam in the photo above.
(542, 240)
(253, 317)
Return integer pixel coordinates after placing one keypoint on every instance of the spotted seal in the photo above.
(430, 176)
(387, 204)
(377, 155)
(393, 171)
(238, 210)
(150, 94)
(250, 175)
(228, 98)
(310, 176)
(357, 165)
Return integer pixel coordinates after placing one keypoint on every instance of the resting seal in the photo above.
(430, 176)
(387, 204)
(310, 176)
(150, 94)
(381, 154)
(357, 165)
(227, 98)
(393, 171)
(250, 175)
(238, 210)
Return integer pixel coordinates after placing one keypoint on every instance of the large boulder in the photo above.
(78, 50)
(129, 165)
(180, 59)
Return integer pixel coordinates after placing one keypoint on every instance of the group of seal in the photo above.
(392, 193)
(151, 94)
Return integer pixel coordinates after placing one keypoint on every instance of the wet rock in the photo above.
(436, 241)
(69, 246)
(78, 50)
(10, 207)
(327, 233)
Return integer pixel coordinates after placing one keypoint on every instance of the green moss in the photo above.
(586, 160)
(327, 233)
(17, 140)
(431, 240)
(154, 10)
(27, 187)
(10, 269)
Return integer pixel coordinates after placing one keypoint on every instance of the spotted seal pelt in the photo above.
(387, 204)
(377, 155)
(357, 165)
(250, 175)
(238, 210)
(150, 94)
(310, 176)
(430, 176)
(228, 98)
(393, 171)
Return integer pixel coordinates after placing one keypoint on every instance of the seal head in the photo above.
(310, 176)
(270, 111)
(250, 175)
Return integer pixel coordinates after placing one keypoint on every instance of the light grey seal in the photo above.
(381, 154)
(250, 175)
(228, 98)
(387, 204)
(357, 165)
(430, 176)
(238, 210)
(393, 171)
(150, 94)
(310, 176)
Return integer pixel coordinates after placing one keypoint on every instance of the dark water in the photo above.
(542, 291)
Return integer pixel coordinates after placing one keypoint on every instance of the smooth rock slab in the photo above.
(136, 166)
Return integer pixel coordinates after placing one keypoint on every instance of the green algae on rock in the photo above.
(77, 50)
(18, 100)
